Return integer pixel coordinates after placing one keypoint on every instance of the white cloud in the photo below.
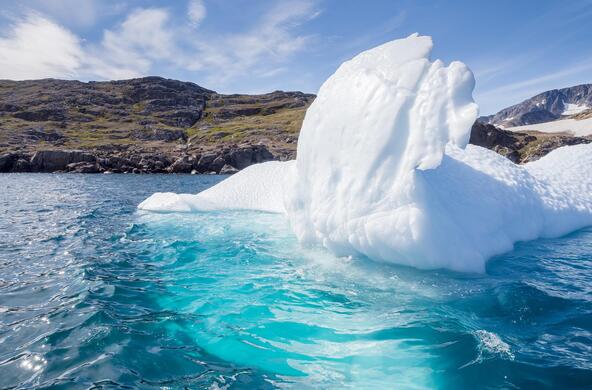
(131, 49)
(148, 40)
(259, 49)
(145, 31)
(38, 48)
(196, 11)
(272, 72)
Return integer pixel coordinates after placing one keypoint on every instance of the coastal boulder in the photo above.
(217, 164)
(181, 165)
(228, 170)
(22, 165)
(154, 163)
(116, 163)
(241, 158)
(204, 162)
(244, 156)
(261, 154)
(7, 161)
(58, 160)
(83, 167)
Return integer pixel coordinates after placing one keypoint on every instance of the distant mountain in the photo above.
(544, 107)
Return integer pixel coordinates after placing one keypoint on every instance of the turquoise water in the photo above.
(94, 294)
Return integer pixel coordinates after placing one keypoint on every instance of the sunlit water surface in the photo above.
(94, 293)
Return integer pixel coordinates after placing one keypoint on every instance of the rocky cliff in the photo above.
(152, 125)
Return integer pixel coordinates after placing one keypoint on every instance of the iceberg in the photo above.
(383, 170)
(258, 187)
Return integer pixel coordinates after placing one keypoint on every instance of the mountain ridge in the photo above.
(543, 107)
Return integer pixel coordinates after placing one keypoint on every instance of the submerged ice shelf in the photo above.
(384, 171)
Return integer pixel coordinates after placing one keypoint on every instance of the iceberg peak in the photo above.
(380, 116)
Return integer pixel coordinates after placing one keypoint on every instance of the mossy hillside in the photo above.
(152, 112)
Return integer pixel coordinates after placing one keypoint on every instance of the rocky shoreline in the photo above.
(229, 159)
(224, 162)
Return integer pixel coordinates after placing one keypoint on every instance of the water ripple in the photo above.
(94, 294)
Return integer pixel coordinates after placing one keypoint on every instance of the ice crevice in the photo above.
(384, 171)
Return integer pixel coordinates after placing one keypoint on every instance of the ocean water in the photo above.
(95, 294)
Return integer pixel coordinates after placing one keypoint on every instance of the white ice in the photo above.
(572, 109)
(258, 187)
(384, 171)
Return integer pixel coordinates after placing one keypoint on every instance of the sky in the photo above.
(516, 49)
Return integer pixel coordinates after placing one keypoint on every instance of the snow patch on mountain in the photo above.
(572, 109)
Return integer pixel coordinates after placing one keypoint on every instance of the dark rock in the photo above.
(489, 136)
(228, 113)
(7, 160)
(58, 160)
(9, 107)
(153, 163)
(500, 141)
(203, 164)
(534, 116)
(43, 135)
(149, 88)
(83, 167)
(217, 164)
(22, 165)
(159, 135)
(182, 165)
(220, 135)
(116, 163)
(241, 158)
(181, 118)
(261, 154)
(162, 105)
(512, 155)
(228, 170)
(247, 155)
(42, 114)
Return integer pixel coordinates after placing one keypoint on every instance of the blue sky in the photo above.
(515, 48)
